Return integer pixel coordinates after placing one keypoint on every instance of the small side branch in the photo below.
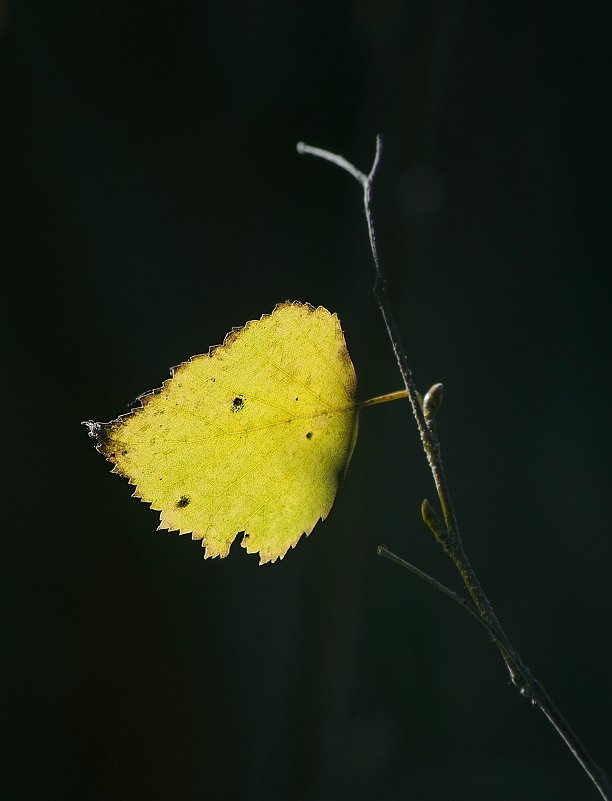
(382, 550)
(448, 534)
(339, 161)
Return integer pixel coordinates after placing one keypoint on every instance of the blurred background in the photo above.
(153, 200)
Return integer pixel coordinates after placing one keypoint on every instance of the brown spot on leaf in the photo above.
(183, 501)
(237, 403)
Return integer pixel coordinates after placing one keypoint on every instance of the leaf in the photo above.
(254, 436)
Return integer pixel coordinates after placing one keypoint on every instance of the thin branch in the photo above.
(339, 161)
(428, 439)
(449, 536)
(538, 694)
(382, 550)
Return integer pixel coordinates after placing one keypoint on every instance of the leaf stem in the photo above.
(448, 535)
(386, 398)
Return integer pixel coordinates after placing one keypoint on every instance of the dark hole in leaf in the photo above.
(309, 435)
(183, 501)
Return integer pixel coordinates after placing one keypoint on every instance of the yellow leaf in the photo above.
(254, 436)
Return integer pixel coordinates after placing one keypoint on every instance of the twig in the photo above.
(448, 534)
(382, 550)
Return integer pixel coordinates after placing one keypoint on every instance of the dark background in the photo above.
(153, 200)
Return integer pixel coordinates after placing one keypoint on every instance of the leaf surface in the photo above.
(254, 436)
